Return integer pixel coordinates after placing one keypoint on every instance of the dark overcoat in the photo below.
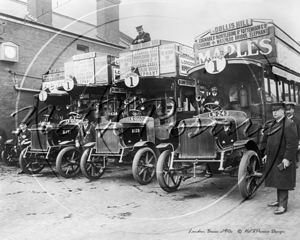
(212, 99)
(86, 135)
(3, 138)
(282, 142)
(24, 136)
(297, 122)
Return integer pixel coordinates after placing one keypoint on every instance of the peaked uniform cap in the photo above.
(139, 27)
(289, 105)
(213, 85)
(277, 106)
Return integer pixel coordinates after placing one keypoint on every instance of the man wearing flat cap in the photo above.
(290, 113)
(142, 37)
(280, 136)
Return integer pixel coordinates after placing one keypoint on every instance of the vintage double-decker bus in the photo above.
(253, 63)
(158, 93)
(70, 94)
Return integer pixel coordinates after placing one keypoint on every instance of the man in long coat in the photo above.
(290, 113)
(281, 147)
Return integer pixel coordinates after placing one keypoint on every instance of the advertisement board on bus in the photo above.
(255, 39)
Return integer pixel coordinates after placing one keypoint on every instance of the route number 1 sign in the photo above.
(215, 65)
(68, 85)
(132, 80)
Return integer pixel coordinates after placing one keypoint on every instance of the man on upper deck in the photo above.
(142, 37)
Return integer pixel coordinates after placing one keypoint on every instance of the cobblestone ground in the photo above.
(47, 206)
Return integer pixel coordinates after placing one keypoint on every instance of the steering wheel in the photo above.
(74, 115)
(135, 112)
(212, 107)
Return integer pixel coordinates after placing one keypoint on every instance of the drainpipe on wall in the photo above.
(17, 88)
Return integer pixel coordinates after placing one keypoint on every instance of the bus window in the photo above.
(273, 90)
(292, 88)
(280, 91)
(286, 96)
(267, 90)
(187, 100)
(297, 93)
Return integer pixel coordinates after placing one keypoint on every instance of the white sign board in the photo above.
(115, 74)
(84, 56)
(101, 74)
(232, 36)
(185, 64)
(69, 70)
(54, 76)
(53, 85)
(167, 58)
(84, 71)
(147, 61)
(125, 61)
(287, 56)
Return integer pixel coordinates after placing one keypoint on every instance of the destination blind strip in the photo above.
(258, 30)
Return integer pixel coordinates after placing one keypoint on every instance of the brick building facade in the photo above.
(42, 46)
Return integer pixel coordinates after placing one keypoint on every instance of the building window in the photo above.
(82, 49)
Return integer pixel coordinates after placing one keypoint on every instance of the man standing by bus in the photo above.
(24, 136)
(3, 138)
(281, 141)
(86, 134)
(290, 113)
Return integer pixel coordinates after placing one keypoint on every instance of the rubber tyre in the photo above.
(144, 165)
(66, 156)
(247, 184)
(7, 159)
(90, 168)
(164, 174)
(30, 165)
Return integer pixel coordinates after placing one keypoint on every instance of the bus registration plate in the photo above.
(220, 113)
(137, 119)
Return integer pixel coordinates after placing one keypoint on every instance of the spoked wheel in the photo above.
(167, 177)
(6, 158)
(68, 162)
(93, 167)
(249, 174)
(30, 164)
(143, 166)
